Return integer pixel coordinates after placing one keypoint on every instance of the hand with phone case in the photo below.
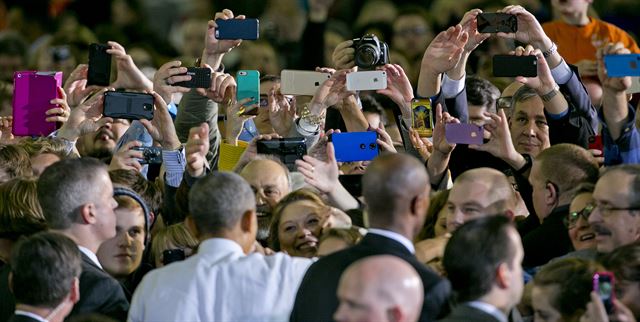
(61, 110)
(129, 75)
(166, 79)
(612, 84)
(596, 311)
(222, 90)
(76, 86)
(215, 49)
(500, 144)
(399, 89)
(161, 127)
(234, 123)
(128, 157)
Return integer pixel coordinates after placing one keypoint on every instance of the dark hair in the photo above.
(624, 262)
(438, 201)
(481, 92)
(135, 181)
(298, 195)
(631, 170)
(43, 267)
(473, 254)
(371, 105)
(522, 94)
(66, 185)
(573, 278)
(567, 166)
(14, 162)
(218, 201)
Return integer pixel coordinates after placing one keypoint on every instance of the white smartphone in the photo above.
(367, 81)
(301, 82)
(635, 86)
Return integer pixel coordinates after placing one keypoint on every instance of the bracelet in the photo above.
(311, 118)
(552, 50)
(549, 96)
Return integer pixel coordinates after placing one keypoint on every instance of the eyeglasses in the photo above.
(572, 219)
(607, 210)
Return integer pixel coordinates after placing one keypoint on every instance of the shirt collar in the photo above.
(395, 236)
(217, 244)
(489, 309)
(91, 256)
(31, 315)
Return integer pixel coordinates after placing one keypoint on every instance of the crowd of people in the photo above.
(540, 222)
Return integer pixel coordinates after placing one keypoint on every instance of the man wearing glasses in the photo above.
(616, 214)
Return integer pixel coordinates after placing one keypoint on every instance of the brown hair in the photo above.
(20, 211)
(298, 195)
(175, 235)
(438, 201)
(14, 162)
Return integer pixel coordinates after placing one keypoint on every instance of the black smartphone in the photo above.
(248, 29)
(512, 66)
(99, 65)
(200, 78)
(172, 255)
(352, 182)
(603, 286)
(497, 22)
(287, 149)
(128, 105)
(151, 154)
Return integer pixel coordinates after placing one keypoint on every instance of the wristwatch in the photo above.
(551, 50)
(549, 96)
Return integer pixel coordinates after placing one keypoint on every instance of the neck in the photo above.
(46, 313)
(228, 234)
(81, 237)
(498, 301)
(5, 249)
(576, 19)
(399, 228)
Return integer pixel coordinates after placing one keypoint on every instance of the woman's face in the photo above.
(441, 223)
(541, 299)
(300, 227)
(581, 233)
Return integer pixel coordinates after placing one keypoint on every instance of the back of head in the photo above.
(135, 181)
(14, 162)
(501, 192)
(390, 182)
(65, 186)
(571, 280)
(481, 92)
(218, 201)
(473, 255)
(43, 269)
(567, 166)
(174, 236)
(40, 145)
(20, 212)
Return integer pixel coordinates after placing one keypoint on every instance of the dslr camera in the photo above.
(370, 52)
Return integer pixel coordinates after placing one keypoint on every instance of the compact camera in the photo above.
(151, 154)
(370, 52)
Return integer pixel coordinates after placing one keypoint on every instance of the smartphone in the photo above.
(128, 105)
(512, 66)
(497, 22)
(603, 285)
(32, 92)
(595, 143)
(301, 82)
(355, 146)
(200, 78)
(151, 154)
(287, 149)
(248, 87)
(352, 182)
(172, 255)
(622, 65)
(367, 80)
(421, 117)
(248, 29)
(464, 133)
(99, 65)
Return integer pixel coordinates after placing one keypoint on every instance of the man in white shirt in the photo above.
(224, 281)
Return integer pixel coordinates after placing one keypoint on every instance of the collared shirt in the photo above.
(626, 148)
(174, 163)
(395, 236)
(31, 315)
(220, 283)
(489, 309)
(91, 256)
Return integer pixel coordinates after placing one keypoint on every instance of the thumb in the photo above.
(331, 152)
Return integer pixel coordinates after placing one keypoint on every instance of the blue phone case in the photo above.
(622, 65)
(248, 29)
(248, 86)
(355, 146)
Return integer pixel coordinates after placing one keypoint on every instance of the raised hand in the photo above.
(544, 82)
(235, 120)
(343, 55)
(384, 140)
(282, 112)
(469, 25)
(60, 113)
(251, 152)
(529, 29)
(440, 143)
(169, 74)
(597, 313)
(423, 145)
(398, 88)
(127, 157)
(83, 116)
(196, 150)
(331, 92)
(129, 76)
(76, 86)
(215, 49)
(500, 145)
(223, 88)
(161, 128)
(614, 84)
(323, 175)
(587, 67)
(6, 123)
(445, 50)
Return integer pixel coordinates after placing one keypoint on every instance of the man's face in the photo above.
(121, 255)
(105, 206)
(42, 161)
(102, 142)
(411, 35)
(539, 191)
(358, 302)
(468, 200)
(570, 7)
(614, 226)
(580, 232)
(476, 117)
(528, 126)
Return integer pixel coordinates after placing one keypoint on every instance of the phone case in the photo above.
(128, 105)
(248, 29)
(301, 82)
(200, 78)
(32, 92)
(464, 133)
(497, 22)
(603, 284)
(248, 86)
(622, 65)
(512, 66)
(355, 146)
(595, 143)
(367, 80)
(99, 65)
(288, 149)
(421, 117)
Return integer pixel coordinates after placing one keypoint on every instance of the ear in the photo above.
(249, 222)
(503, 276)
(394, 314)
(74, 293)
(510, 214)
(192, 227)
(152, 218)
(551, 194)
(87, 214)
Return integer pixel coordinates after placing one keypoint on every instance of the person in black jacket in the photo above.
(396, 191)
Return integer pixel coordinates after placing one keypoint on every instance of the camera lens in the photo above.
(147, 107)
(367, 56)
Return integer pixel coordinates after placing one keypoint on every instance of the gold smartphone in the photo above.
(421, 117)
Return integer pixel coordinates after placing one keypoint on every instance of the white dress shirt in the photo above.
(395, 236)
(92, 256)
(220, 283)
(31, 315)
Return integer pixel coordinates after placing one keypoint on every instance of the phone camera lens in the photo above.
(147, 107)
(362, 146)
(372, 146)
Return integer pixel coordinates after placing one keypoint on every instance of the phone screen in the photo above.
(603, 286)
(421, 117)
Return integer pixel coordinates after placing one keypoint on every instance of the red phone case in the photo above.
(32, 92)
(595, 143)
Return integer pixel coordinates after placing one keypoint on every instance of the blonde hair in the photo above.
(20, 211)
(172, 236)
(278, 210)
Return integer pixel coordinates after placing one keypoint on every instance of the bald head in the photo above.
(390, 187)
(382, 288)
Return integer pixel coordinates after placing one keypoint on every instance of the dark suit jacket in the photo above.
(316, 299)
(547, 241)
(7, 303)
(466, 313)
(100, 293)
(21, 318)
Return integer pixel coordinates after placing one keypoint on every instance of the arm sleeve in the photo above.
(626, 149)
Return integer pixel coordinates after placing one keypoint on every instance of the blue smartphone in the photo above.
(248, 29)
(622, 65)
(355, 146)
(248, 87)
(464, 133)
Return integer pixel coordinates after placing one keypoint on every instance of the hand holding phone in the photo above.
(497, 22)
(622, 65)
(248, 87)
(200, 78)
(99, 65)
(355, 146)
(513, 66)
(128, 105)
(464, 133)
(603, 285)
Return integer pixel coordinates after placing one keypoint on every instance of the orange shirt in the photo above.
(577, 43)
